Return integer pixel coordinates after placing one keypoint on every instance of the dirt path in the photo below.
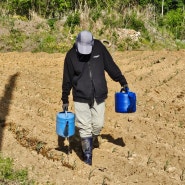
(145, 148)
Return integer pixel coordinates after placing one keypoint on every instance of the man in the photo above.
(84, 72)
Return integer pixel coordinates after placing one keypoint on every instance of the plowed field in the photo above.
(145, 148)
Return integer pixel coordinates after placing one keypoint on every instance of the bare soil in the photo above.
(146, 147)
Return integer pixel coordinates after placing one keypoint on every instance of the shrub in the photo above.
(72, 21)
(132, 22)
(51, 23)
(47, 43)
(135, 23)
(15, 40)
(95, 14)
(173, 20)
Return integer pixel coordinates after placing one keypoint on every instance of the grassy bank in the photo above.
(135, 29)
(9, 175)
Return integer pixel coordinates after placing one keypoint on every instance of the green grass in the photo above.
(9, 175)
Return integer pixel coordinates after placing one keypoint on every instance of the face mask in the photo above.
(83, 58)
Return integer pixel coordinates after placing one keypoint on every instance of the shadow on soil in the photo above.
(75, 143)
(5, 103)
(119, 141)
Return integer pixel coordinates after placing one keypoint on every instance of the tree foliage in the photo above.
(54, 8)
(172, 11)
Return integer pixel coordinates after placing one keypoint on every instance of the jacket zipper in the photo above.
(90, 74)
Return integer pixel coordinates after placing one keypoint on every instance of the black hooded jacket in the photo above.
(85, 74)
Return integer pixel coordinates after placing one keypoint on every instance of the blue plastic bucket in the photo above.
(125, 102)
(65, 124)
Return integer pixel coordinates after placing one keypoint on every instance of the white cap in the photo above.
(84, 42)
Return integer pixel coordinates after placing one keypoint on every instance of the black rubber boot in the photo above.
(87, 149)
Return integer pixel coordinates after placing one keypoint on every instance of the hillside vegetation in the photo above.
(52, 26)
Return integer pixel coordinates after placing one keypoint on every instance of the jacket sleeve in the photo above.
(67, 79)
(111, 68)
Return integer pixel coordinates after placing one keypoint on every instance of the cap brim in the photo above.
(84, 48)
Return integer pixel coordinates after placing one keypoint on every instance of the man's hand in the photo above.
(125, 88)
(65, 106)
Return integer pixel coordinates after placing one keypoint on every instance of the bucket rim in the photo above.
(63, 112)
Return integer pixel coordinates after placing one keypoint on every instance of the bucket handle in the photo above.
(125, 89)
(132, 101)
(66, 129)
(66, 113)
